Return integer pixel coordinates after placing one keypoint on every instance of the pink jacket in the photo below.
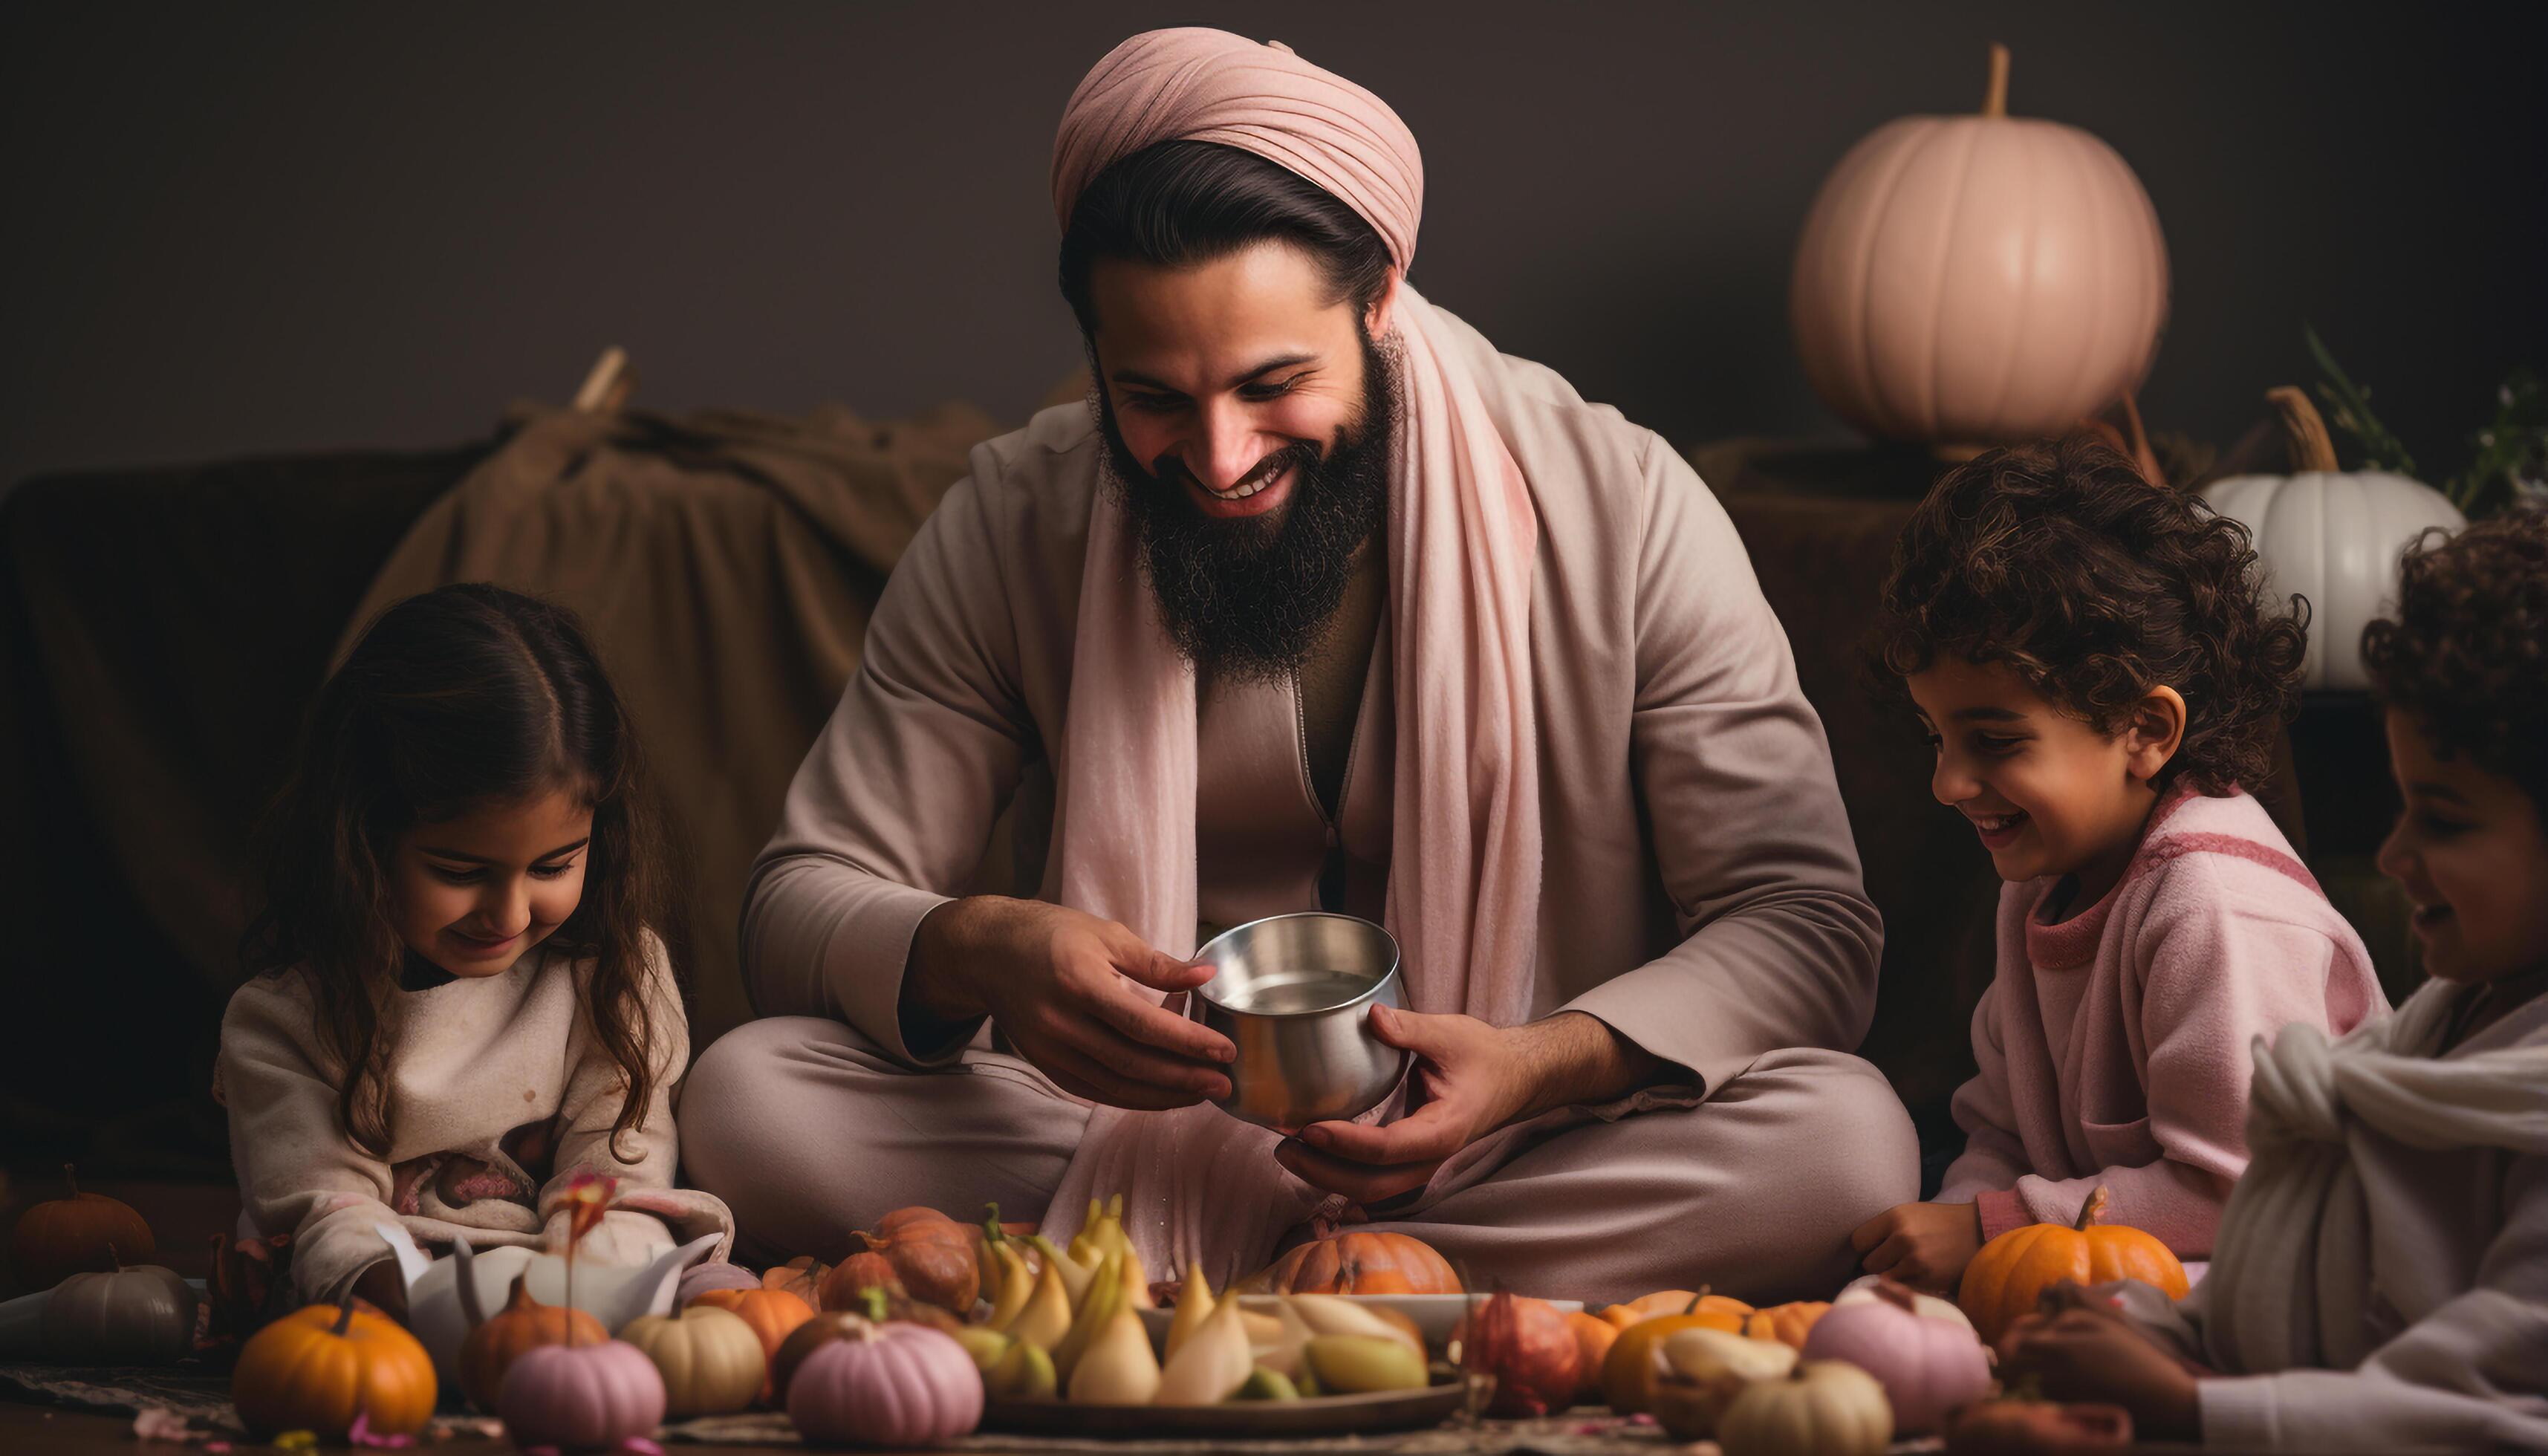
(2136, 1077)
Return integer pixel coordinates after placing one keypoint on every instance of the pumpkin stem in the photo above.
(70, 1181)
(112, 1254)
(2095, 1208)
(344, 1312)
(992, 1233)
(2304, 429)
(1995, 99)
(873, 1300)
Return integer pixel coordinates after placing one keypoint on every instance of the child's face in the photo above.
(2047, 793)
(2471, 853)
(471, 894)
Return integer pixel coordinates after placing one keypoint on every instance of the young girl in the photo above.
(458, 1002)
(2088, 658)
(2381, 1279)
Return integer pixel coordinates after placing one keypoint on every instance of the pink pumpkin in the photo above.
(581, 1397)
(699, 1279)
(1928, 1367)
(886, 1385)
(1968, 280)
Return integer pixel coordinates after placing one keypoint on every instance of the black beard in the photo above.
(1247, 600)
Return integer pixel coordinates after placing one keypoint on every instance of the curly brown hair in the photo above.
(459, 696)
(2060, 560)
(2467, 652)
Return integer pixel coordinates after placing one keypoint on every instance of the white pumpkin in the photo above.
(1974, 279)
(2331, 536)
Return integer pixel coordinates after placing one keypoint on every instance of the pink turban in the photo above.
(1195, 85)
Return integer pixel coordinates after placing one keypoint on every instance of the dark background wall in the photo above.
(271, 228)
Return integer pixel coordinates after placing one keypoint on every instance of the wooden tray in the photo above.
(1324, 1416)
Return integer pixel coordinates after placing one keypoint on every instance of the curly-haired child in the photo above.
(2381, 1278)
(2089, 659)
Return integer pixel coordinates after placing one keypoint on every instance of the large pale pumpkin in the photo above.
(1357, 1263)
(2331, 536)
(1969, 280)
(2010, 1273)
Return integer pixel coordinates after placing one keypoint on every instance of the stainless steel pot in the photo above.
(1294, 995)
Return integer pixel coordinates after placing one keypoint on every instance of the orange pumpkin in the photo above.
(772, 1313)
(1629, 1371)
(1594, 1336)
(840, 1288)
(523, 1323)
(801, 1276)
(77, 1233)
(317, 1368)
(1671, 1301)
(930, 1252)
(1357, 1263)
(2010, 1273)
(1787, 1323)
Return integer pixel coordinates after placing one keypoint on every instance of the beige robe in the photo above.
(1700, 889)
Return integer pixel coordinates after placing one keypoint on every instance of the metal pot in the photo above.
(1294, 995)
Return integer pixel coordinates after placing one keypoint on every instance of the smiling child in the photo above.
(459, 999)
(2088, 658)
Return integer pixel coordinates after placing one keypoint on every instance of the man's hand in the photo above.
(2084, 1350)
(1927, 1244)
(1476, 1078)
(1063, 986)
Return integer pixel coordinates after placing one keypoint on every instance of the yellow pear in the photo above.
(1281, 1353)
(1046, 1317)
(1016, 1287)
(1194, 1306)
(1119, 1368)
(1024, 1373)
(1136, 1280)
(1354, 1364)
(984, 1344)
(1212, 1365)
(1327, 1314)
(1074, 1274)
(1105, 1297)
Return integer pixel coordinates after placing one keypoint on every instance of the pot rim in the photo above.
(1395, 959)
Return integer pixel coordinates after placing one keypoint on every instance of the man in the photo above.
(1330, 606)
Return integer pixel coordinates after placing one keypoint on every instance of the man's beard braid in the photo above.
(1248, 599)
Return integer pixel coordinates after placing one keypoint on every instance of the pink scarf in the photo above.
(1464, 886)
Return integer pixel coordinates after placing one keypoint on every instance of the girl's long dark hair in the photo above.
(462, 695)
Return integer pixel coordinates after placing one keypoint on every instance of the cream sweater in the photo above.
(2381, 1279)
(498, 1092)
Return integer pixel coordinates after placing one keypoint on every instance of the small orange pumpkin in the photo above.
(840, 1287)
(1786, 1324)
(524, 1323)
(772, 1313)
(801, 1276)
(317, 1368)
(930, 1252)
(77, 1233)
(1629, 1371)
(2010, 1273)
(1357, 1263)
(1673, 1301)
